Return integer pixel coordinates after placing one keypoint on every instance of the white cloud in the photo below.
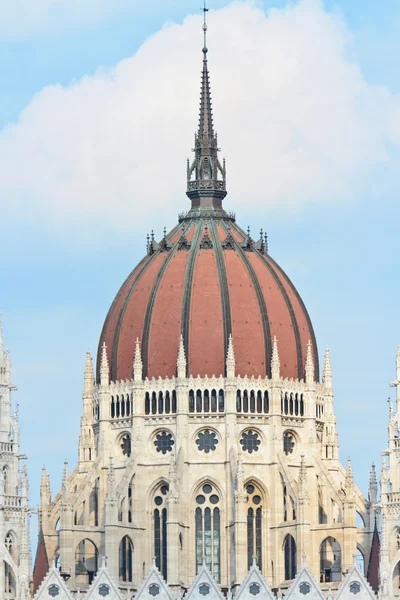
(297, 123)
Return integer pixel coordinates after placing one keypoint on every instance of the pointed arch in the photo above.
(255, 507)
(330, 554)
(160, 532)
(86, 562)
(290, 557)
(10, 580)
(126, 550)
(207, 518)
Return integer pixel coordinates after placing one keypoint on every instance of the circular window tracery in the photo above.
(250, 441)
(288, 442)
(154, 590)
(104, 590)
(207, 441)
(304, 588)
(254, 589)
(164, 442)
(53, 591)
(204, 589)
(355, 587)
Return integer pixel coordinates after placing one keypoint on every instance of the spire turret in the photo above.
(327, 372)
(181, 363)
(309, 369)
(137, 363)
(89, 374)
(275, 362)
(104, 368)
(206, 177)
(230, 359)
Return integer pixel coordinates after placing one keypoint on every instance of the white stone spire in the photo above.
(275, 362)
(104, 368)
(181, 363)
(230, 359)
(327, 372)
(137, 363)
(45, 489)
(373, 485)
(396, 382)
(309, 368)
(89, 374)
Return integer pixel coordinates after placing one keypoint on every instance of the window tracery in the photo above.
(126, 559)
(160, 529)
(254, 525)
(290, 556)
(208, 530)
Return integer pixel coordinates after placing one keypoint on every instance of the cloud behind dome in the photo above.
(297, 123)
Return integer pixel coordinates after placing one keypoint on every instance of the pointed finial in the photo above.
(275, 362)
(309, 368)
(65, 475)
(205, 11)
(137, 363)
(349, 473)
(89, 374)
(372, 476)
(230, 359)
(266, 242)
(181, 363)
(327, 372)
(104, 368)
(45, 490)
(165, 232)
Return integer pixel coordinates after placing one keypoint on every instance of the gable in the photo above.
(254, 587)
(53, 587)
(304, 587)
(204, 587)
(103, 587)
(153, 587)
(355, 587)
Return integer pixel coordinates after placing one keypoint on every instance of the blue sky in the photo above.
(324, 181)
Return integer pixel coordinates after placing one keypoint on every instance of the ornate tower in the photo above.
(15, 556)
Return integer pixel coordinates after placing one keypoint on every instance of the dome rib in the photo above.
(223, 282)
(187, 292)
(296, 331)
(261, 304)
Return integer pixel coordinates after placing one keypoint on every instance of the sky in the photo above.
(98, 105)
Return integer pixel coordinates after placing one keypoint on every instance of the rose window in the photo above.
(104, 590)
(250, 441)
(254, 589)
(53, 591)
(355, 587)
(207, 441)
(154, 590)
(288, 443)
(304, 588)
(204, 589)
(164, 442)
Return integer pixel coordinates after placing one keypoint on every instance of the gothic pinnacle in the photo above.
(137, 363)
(349, 473)
(302, 472)
(181, 363)
(230, 359)
(104, 368)
(110, 480)
(309, 367)
(89, 374)
(327, 372)
(275, 362)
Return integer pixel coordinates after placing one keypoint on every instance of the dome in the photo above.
(206, 280)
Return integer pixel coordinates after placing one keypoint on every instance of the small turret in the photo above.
(309, 367)
(45, 489)
(137, 363)
(104, 368)
(230, 360)
(181, 363)
(89, 374)
(327, 372)
(373, 485)
(275, 362)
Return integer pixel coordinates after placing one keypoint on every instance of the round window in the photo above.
(250, 441)
(164, 442)
(288, 442)
(207, 441)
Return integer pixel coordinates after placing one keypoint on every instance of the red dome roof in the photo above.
(207, 279)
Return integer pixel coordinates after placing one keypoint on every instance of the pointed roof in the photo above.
(103, 578)
(254, 578)
(89, 374)
(327, 372)
(204, 578)
(373, 562)
(146, 590)
(304, 578)
(104, 368)
(206, 126)
(53, 578)
(309, 367)
(275, 361)
(355, 585)
(41, 566)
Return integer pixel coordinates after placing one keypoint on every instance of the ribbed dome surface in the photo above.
(207, 279)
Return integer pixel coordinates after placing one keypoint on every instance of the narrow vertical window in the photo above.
(290, 558)
(126, 559)
(160, 530)
(208, 530)
(254, 526)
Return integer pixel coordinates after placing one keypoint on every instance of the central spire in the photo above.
(206, 177)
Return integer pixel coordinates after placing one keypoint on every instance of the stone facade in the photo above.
(15, 554)
(223, 468)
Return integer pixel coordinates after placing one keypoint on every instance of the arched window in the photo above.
(160, 530)
(285, 499)
(360, 560)
(330, 560)
(86, 561)
(126, 559)
(9, 580)
(94, 505)
(208, 530)
(191, 401)
(254, 525)
(9, 543)
(130, 496)
(289, 549)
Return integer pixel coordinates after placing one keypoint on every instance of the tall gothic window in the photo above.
(86, 558)
(254, 526)
(330, 560)
(208, 530)
(290, 553)
(160, 530)
(126, 559)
